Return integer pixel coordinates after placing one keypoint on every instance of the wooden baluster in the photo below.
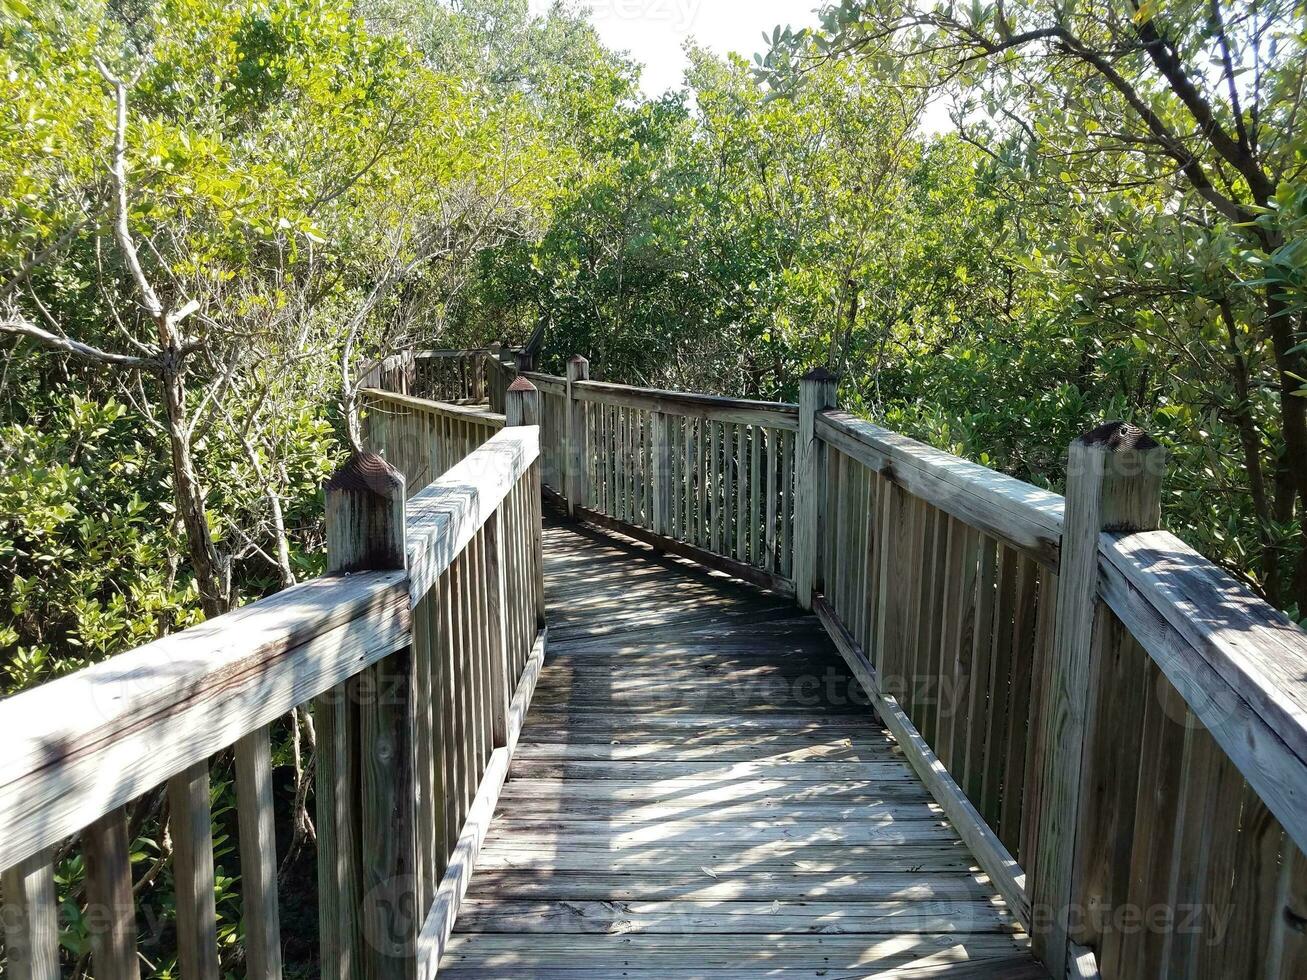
(690, 485)
(258, 846)
(771, 492)
(31, 919)
(610, 460)
(111, 905)
(190, 823)
(741, 493)
(662, 475)
(755, 496)
(368, 860)
(816, 392)
(787, 503)
(1114, 480)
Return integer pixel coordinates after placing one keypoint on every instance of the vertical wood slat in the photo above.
(999, 683)
(190, 824)
(31, 919)
(258, 850)
(755, 496)
(772, 491)
(662, 467)
(500, 646)
(107, 852)
(787, 504)
(741, 494)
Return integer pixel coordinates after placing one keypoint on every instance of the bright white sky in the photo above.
(654, 31)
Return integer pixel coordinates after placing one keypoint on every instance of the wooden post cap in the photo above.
(522, 404)
(365, 516)
(822, 374)
(1119, 437)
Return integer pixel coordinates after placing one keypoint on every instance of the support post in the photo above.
(1114, 483)
(367, 790)
(525, 361)
(817, 392)
(523, 408)
(576, 472)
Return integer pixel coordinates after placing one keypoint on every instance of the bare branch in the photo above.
(118, 174)
(24, 328)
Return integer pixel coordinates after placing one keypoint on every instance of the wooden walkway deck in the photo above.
(702, 790)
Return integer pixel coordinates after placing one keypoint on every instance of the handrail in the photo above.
(420, 666)
(471, 413)
(1024, 515)
(79, 746)
(742, 411)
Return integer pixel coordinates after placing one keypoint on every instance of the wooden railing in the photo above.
(418, 654)
(422, 438)
(1115, 726)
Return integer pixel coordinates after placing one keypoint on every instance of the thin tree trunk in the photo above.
(215, 597)
(1250, 443)
(1293, 423)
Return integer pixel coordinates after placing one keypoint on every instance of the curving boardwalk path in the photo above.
(701, 791)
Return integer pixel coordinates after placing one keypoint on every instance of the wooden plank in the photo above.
(1018, 966)
(757, 951)
(258, 849)
(787, 504)
(734, 918)
(31, 919)
(709, 859)
(715, 487)
(742, 494)
(755, 886)
(190, 826)
(339, 883)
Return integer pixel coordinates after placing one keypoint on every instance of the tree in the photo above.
(1189, 111)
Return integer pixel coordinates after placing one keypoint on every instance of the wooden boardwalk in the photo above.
(702, 790)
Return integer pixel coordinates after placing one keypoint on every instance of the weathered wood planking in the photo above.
(715, 837)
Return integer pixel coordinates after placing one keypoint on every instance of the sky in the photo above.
(653, 31)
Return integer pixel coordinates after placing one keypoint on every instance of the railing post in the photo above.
(817, 391)
(366, 789)
(1114, 483)
(662, 475)
(576, 472)
(523, 408)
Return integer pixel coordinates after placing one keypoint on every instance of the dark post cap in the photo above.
(1119, 437)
